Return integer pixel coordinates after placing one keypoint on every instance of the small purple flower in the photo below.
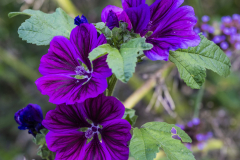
(205, 18)
(172, 25)
(196, 121)
(112, 20)
(180, 126)
(201, 146)
(211, 29)
(227, 31)
(228, 53)
(205, 27)
(173, 130)
(176, 137)
(226, 19)
(190, 124)
(224, 45)
(89, 130)
(236, 17)
(197, 30)
(237, 46)
(217, 39)
(68, 74)
(30, 118)
(79, 20)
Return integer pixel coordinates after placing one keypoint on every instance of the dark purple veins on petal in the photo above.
(112, 20)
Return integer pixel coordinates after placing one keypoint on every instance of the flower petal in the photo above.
(173, 32)
(109, 8)
(60, 59)
(162, 8)
(101, 40)
(102, 109)
(124, 17)
(95, 150)
(58, 87)
(84, 38)
(65, 118)
(139, 17)
(115, 135)
(91, 89)
(178, 27)
(160, 50)
(101, 68)
(68, 146)
(112, 20)
(132, 3)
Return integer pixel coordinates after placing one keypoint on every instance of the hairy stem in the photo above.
(111, 85)
(198, 101)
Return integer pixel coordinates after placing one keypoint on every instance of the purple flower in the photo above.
(89, 130)
(224, 45)
(197, 30)
(173, 130)
(228, 53)
(226, 19)
(68, 74)
(172, 25)
(30, 118)
(227, 31)
(205, 18)
(180, 126)
(237, 45)
(236, 17)
(196, 121)
(217, 39)
(81, 20)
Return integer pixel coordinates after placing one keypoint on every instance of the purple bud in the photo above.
(78, 20)
(180, 126)
(30, 118)
(216, 39)
(196, 30)
(211, 29)
(233, 30)
(226, 19)
(205, 27)
(236, 17)
(200, 137)
(196, 121)
(189, 146)
(228, 53)
(190, 124)
(224, 45)
(176, 137)
(201, 146)
(227, 31)
(205, 18)
(237, 45)
(173, 130)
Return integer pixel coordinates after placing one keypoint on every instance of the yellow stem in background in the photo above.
(69, 7)
(19, 66)
(132, 100)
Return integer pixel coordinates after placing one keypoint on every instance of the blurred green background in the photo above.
(19, 62)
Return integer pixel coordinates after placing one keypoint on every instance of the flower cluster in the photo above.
(227, 36)
(192, 129)
(86, 124)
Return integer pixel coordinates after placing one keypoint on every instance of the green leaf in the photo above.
(122, 62)
(146, 141)
(130, 116)
(193, 62)
(40, 28)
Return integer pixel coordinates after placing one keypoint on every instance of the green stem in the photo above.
(198, 101)
(111, 85)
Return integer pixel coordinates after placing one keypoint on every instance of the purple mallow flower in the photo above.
(79, 20)
(30, 118)
(68, 74)
(172, 25)
(89, 130)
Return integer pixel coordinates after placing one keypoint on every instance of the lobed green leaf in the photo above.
(130, 116)
(193, 62)
(40, 28)
(123, 61)
(146, 141)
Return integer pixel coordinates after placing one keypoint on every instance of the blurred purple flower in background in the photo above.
(30, 118)
(89, 130)
(192, 129)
